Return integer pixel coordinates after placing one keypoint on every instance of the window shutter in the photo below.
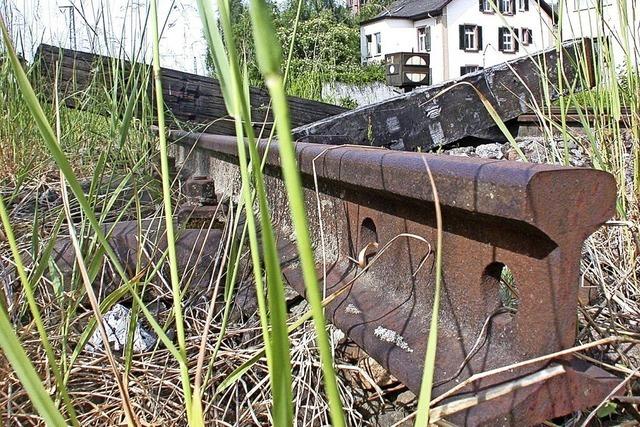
(480, 38)
(463, 71)
(500, 39)
(481, 5)
(516, 43)
(500, 6)
(462, 37)
(513, 7)
(526, 5)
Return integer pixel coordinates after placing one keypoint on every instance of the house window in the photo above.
(378, 38)
(526, 35)
(507, 40)
(369, 41)
(485, 6)
(523, 5)
(469, 69)
(471, 38)
(424, 39)
(507, 7)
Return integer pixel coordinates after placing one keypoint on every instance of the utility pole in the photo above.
(72, 24)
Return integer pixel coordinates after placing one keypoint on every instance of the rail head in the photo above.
(553, 199)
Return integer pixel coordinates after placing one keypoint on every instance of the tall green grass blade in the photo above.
(270, 60)
(278, 343)
(276, 340)
(26, 284)
(36, 275)
(218, 51)
(424, 400)
(35, 312)
(168, 213)
(62, 161)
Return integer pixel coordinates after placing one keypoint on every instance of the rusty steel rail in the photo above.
(530, 218)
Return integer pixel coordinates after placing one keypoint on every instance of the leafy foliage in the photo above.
(326, 46)
(373, 8)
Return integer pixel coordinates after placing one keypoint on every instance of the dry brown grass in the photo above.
(611, 265)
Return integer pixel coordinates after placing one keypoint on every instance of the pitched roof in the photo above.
(412, 9)
(419, 9)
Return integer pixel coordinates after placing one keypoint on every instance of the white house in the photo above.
(461, 35)
(617, 21)
(110, 27)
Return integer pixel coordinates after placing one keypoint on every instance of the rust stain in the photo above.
(531, 219)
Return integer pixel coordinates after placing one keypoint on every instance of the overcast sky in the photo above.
(109, 27)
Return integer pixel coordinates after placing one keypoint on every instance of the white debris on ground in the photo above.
(489, 151)
(388, 335)
(116, 323)
(337, 335)
(352, 309)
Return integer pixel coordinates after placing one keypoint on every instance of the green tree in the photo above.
(373, 8)
(326, 46)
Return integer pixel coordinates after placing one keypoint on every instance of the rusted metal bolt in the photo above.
(156, 173)
(200, 190)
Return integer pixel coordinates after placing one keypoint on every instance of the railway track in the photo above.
(529, 219)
